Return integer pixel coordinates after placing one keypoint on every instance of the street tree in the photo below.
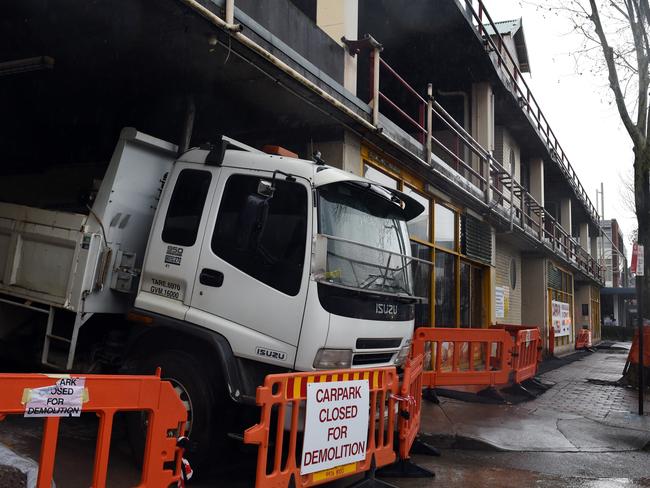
(616, 39)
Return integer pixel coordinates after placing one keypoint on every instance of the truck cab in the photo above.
(228, 263)
(297, 265)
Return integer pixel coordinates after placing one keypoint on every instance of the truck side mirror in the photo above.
(265, 188)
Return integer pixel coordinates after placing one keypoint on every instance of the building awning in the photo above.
(620, 291)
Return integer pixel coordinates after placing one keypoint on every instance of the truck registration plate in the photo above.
(167, 289)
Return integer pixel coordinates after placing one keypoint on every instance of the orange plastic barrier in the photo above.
(486, 355)
(633, 356)
(527, 354)
(583, 341)
(106, 395)
(410, 405)
(285, 394)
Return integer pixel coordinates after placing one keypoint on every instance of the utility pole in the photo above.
(601, 212)
(638, 265)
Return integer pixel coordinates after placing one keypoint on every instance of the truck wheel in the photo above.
(199, 389)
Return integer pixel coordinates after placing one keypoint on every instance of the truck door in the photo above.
(175, 241)
(253, 267)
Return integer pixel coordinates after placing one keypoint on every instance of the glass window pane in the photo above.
(364, 217)
(379, 177)
(186, 207)
(419, 226)
(422, 282)
(445, 290)
(263, 237)
(465, 295)
(477, 298)
(445, 227)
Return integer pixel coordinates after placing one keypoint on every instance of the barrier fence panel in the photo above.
(410, 405)
(526, 354)
(583, 341)
(279, 434)
(463, 356)
(56, 396)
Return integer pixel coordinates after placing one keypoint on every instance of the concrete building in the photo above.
(614, 255)
(618, 296)
(424, 96)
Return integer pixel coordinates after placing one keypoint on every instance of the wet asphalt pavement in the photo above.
(463, 468)
(615, 465)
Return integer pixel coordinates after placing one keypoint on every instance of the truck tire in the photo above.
(200, 388)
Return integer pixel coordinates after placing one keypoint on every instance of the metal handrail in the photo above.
(377, 94)
(500, 190)
(527, 99)
(402, 81)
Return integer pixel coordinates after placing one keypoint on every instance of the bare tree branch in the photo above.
(614, 83)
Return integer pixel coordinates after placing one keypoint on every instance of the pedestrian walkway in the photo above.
(583, 412)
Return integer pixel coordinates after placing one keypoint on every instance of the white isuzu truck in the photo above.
(221, 265)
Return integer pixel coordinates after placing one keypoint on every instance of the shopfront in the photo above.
(560, 305)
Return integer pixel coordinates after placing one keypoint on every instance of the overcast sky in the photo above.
(579, 107)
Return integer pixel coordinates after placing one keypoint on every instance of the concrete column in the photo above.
(536, 166)
(565, 214)
(584, 237)
(594, 247)
(483, 127)
(534, 307)
(340, 18)
(344, 153)
(483, 115)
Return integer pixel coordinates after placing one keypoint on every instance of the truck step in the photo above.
(59, 338)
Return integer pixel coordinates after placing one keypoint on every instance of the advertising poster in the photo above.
(561, 318)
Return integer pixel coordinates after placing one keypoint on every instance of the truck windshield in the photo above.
(367, 240)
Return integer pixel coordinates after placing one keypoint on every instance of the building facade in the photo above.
(428, 97)
(618, 296)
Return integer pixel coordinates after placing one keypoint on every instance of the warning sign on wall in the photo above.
(336, 425)
(63, 399)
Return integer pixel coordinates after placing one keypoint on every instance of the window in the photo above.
(263, 237)
(513, 273)
(419, 226)
(560, 288)
(445, 227)
(471, 295)
(422, 284)
(380, 177)
(445, 290)
(376, 228)
(186, 207)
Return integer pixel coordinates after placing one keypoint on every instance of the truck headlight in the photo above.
(403, 353)
(333, 359)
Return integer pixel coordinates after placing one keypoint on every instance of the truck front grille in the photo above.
(378, 343)
(377, 358)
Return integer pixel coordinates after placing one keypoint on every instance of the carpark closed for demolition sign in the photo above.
(63, 399)
(336, 425)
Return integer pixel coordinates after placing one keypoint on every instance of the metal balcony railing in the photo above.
(443, 137)
(494, 43)
(454, 145)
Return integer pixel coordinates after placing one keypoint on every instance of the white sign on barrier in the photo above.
(336, 425)
(63, 399)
